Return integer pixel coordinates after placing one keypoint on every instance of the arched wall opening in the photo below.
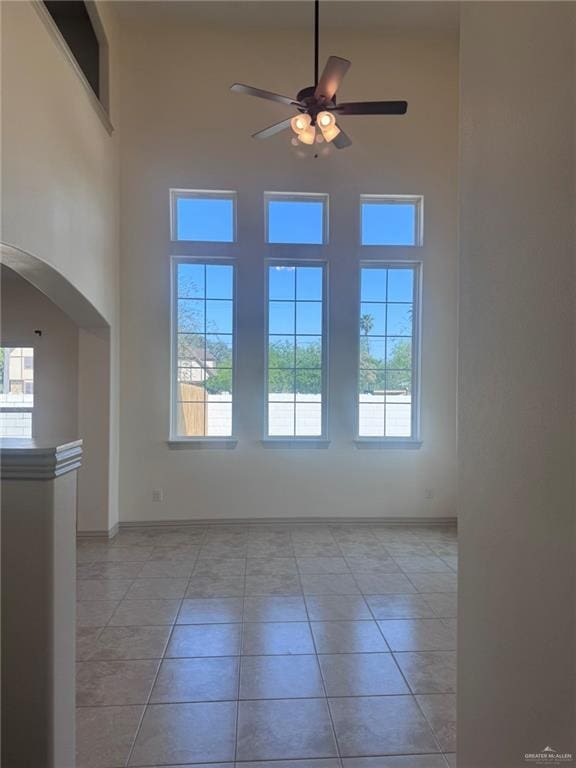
(40, 308)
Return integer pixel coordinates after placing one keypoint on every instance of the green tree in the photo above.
(366, 324)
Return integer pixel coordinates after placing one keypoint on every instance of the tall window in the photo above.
(16, 391)
(296, 350)
(203, 349)
(388, 327)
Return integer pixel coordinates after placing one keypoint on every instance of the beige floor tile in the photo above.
(128, 571)
(348, 637)
(399, 761)
(429, 671)
(275, 608)
(186, 733)
(225, 566)
(104, 735)
(444, 605)
(334, 608)
(440, 711)
(280, 584)
(166, 569)
(418, 635)
(218, 610)
(280, 677)
(361, 674)
(419, 564)
(102, 589)
(205, 585)
(114, 683)
(272, 638)
(400, 607)
(95, 613)
(380, 725)
(383, 583)
(193, 640)
(199, 679)
(143, 589)
(132, 613)
(120, 643)
(435, 582)
(271, 566)
(283, 729)
(329, 584)
(323, 565)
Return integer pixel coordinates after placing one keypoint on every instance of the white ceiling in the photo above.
(399, 16)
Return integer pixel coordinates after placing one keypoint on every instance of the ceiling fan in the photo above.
(316, 105)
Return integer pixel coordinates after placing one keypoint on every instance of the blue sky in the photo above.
(295, 294)
(293, 221)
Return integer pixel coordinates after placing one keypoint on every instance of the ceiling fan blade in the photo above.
(331, 78)
(272, 129)
(342, 140)
(371, 108)
(259, 93)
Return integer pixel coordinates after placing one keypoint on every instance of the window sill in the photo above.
(295, 442)
(387, 443)
(224, 443)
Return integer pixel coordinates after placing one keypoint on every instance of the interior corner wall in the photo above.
(516, 383)
(60, 170)
(171, 71)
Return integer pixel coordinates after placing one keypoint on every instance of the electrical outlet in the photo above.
(428, 493)
(158, 494)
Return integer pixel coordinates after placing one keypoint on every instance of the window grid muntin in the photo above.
(298, 197)
(415, 268)
(416, 200)
(202, 194)
(296, 264)
(177, 261)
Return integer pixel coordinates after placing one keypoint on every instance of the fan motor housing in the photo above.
(312, 105)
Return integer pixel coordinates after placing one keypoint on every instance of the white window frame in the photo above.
(25, 408)
(299, 197)
(415, 438)
(298, 439)
(202, 194)
(416, 200)
(175, 438)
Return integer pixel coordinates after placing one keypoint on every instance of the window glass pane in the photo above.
(282, 283)
(218, 282)
(295, 366)
(190, 281)
(281, 317)
(309, 352)
(400, 284)
(207, 219)
(386, 329)
(218, 316)
(280, 351)
(309, 317)
(308, 419)
(389, 222)
(373, 319)
(295, 221)
(373, 282)
(309, 283)
(204, 346)
(16, 391)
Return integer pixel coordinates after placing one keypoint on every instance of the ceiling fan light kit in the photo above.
(317, 106)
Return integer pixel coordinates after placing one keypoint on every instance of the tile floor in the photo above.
(318, 646)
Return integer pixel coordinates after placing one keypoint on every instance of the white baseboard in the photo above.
(107, 535)
(272, 521)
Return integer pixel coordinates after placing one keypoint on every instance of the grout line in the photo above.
(319, 666)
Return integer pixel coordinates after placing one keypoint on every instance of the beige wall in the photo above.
(60, 205)
(171, 72)
(24, 310)
(516, 352)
